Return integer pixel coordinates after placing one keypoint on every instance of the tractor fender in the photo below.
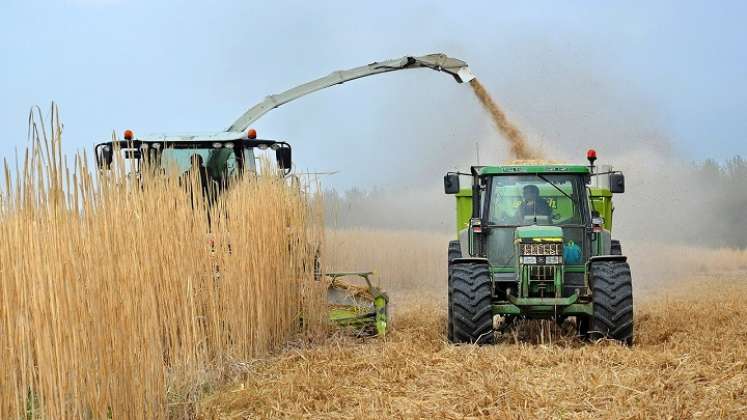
(621, 258)
(469, 260)
(463, 241)
(599, 258)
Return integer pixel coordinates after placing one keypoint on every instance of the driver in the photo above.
(196, 164)
(533, 204)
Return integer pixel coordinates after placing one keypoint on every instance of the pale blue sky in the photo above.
(573, 74)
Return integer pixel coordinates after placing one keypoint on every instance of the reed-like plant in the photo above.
(118, 299)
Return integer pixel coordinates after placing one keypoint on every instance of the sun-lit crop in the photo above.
(118, 300)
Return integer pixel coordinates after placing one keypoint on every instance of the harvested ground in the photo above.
(689, 360)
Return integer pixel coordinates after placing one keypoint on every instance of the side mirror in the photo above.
(617, 183)
(451, 183)
(283, 156)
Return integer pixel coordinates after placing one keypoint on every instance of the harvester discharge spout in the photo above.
(439, 62)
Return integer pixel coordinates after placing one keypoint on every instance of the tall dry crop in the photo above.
(409, 265)
(118, 300)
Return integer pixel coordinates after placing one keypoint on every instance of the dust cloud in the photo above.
(671, 198)
(519, 146)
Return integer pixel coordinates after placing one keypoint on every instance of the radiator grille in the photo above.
(542, 249)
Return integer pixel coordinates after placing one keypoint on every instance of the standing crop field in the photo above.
(118, 300)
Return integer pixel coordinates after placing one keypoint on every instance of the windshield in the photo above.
(219, 163)
(541, 199)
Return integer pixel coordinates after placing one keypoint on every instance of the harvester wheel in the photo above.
(612, 295)
(472, 311)
(616, 247)
(455, 251)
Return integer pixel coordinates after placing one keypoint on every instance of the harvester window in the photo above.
(249, 160)
(219, 163)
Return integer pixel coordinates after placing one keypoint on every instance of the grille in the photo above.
(542, 273)
(542, 249)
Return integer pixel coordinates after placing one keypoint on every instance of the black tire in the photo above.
(455, 251)
(616, 247)
(612, 295)
(472, 309)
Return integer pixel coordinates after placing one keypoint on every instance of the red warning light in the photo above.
(591, 154)
(252, 133)
(128, 135)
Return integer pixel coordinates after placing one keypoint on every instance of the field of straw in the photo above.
(689, 360)
(117, 300)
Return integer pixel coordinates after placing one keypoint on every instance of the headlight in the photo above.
(529, 260)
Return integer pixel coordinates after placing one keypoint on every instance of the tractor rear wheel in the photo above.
(471, 314)
(612, 295)
(616, 247)
(455, 251)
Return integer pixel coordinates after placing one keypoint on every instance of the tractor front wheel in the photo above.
(612, 296)
(471, 315)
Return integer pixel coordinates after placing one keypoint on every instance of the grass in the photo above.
(689, 361)
(118, 301)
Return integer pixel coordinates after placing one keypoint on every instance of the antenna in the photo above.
(477, 150)
(320, 173)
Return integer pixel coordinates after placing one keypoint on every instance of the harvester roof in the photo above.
(197, 137)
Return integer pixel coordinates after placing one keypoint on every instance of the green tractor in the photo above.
(534, 242)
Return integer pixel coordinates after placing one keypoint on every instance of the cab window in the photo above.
(518, 200)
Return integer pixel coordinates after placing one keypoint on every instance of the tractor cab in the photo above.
(526, 205)
(224, 155)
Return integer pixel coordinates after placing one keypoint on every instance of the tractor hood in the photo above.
(537, 233)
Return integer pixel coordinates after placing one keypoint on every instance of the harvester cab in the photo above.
(534, 241)
(224, 154)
